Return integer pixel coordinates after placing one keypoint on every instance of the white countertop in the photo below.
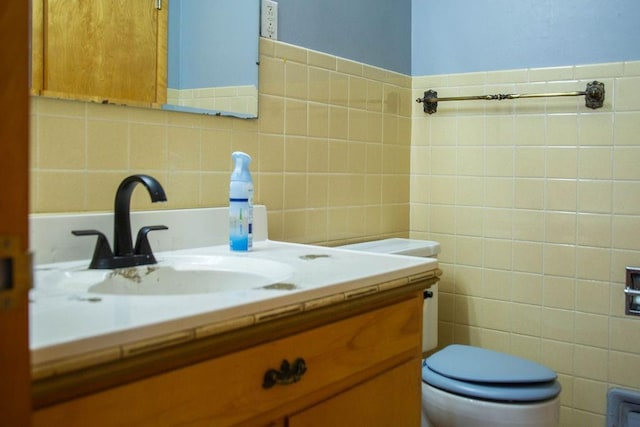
(68, 324)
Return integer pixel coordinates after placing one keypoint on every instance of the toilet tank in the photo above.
(411, 247)
(418, 248)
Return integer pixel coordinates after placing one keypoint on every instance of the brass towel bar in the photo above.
(594, 97)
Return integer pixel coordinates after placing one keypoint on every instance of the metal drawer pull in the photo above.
(288, 373)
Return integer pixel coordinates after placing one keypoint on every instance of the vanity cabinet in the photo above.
(109, 51)
(361, 369)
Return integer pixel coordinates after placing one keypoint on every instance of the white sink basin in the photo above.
(178, 275)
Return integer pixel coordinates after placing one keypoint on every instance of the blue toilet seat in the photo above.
(489, 375)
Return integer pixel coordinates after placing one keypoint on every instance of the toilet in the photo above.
(471, 386)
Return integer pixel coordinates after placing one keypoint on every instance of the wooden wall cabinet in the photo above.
(361, 370)
(107, 51)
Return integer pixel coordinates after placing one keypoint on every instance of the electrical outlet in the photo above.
(269, 21)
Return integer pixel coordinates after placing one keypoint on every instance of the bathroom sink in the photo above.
(178, 275)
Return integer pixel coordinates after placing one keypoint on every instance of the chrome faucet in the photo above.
(124, 254)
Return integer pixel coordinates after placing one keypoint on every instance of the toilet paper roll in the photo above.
(430, 321)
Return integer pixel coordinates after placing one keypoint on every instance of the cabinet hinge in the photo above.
(16, 275)
(159, 4)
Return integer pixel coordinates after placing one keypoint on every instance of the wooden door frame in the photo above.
(15, 366)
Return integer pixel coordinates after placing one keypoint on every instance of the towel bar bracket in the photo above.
(593, 94)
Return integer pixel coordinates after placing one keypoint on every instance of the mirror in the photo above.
(213, 57)
(200, 56)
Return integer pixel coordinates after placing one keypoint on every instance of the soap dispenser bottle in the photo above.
(241, 203)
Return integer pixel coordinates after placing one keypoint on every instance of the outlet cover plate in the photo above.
(269, 19)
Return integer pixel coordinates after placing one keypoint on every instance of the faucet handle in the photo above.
(102, 253)
(142, 241)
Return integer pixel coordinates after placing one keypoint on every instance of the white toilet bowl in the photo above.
(465, 386)
(442, 409)
(471, 386)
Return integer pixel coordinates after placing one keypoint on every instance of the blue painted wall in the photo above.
(458, 36)
(376, 32)
(426, 37)
(213, 43)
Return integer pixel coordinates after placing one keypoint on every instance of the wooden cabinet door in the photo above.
(105, 50)
(390, 399)
(15, 367)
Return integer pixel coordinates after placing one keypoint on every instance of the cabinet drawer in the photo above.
(390, 399)
(228, 390)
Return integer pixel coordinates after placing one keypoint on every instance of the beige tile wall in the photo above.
(536, 202)
(331, 150)
(537, 205)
